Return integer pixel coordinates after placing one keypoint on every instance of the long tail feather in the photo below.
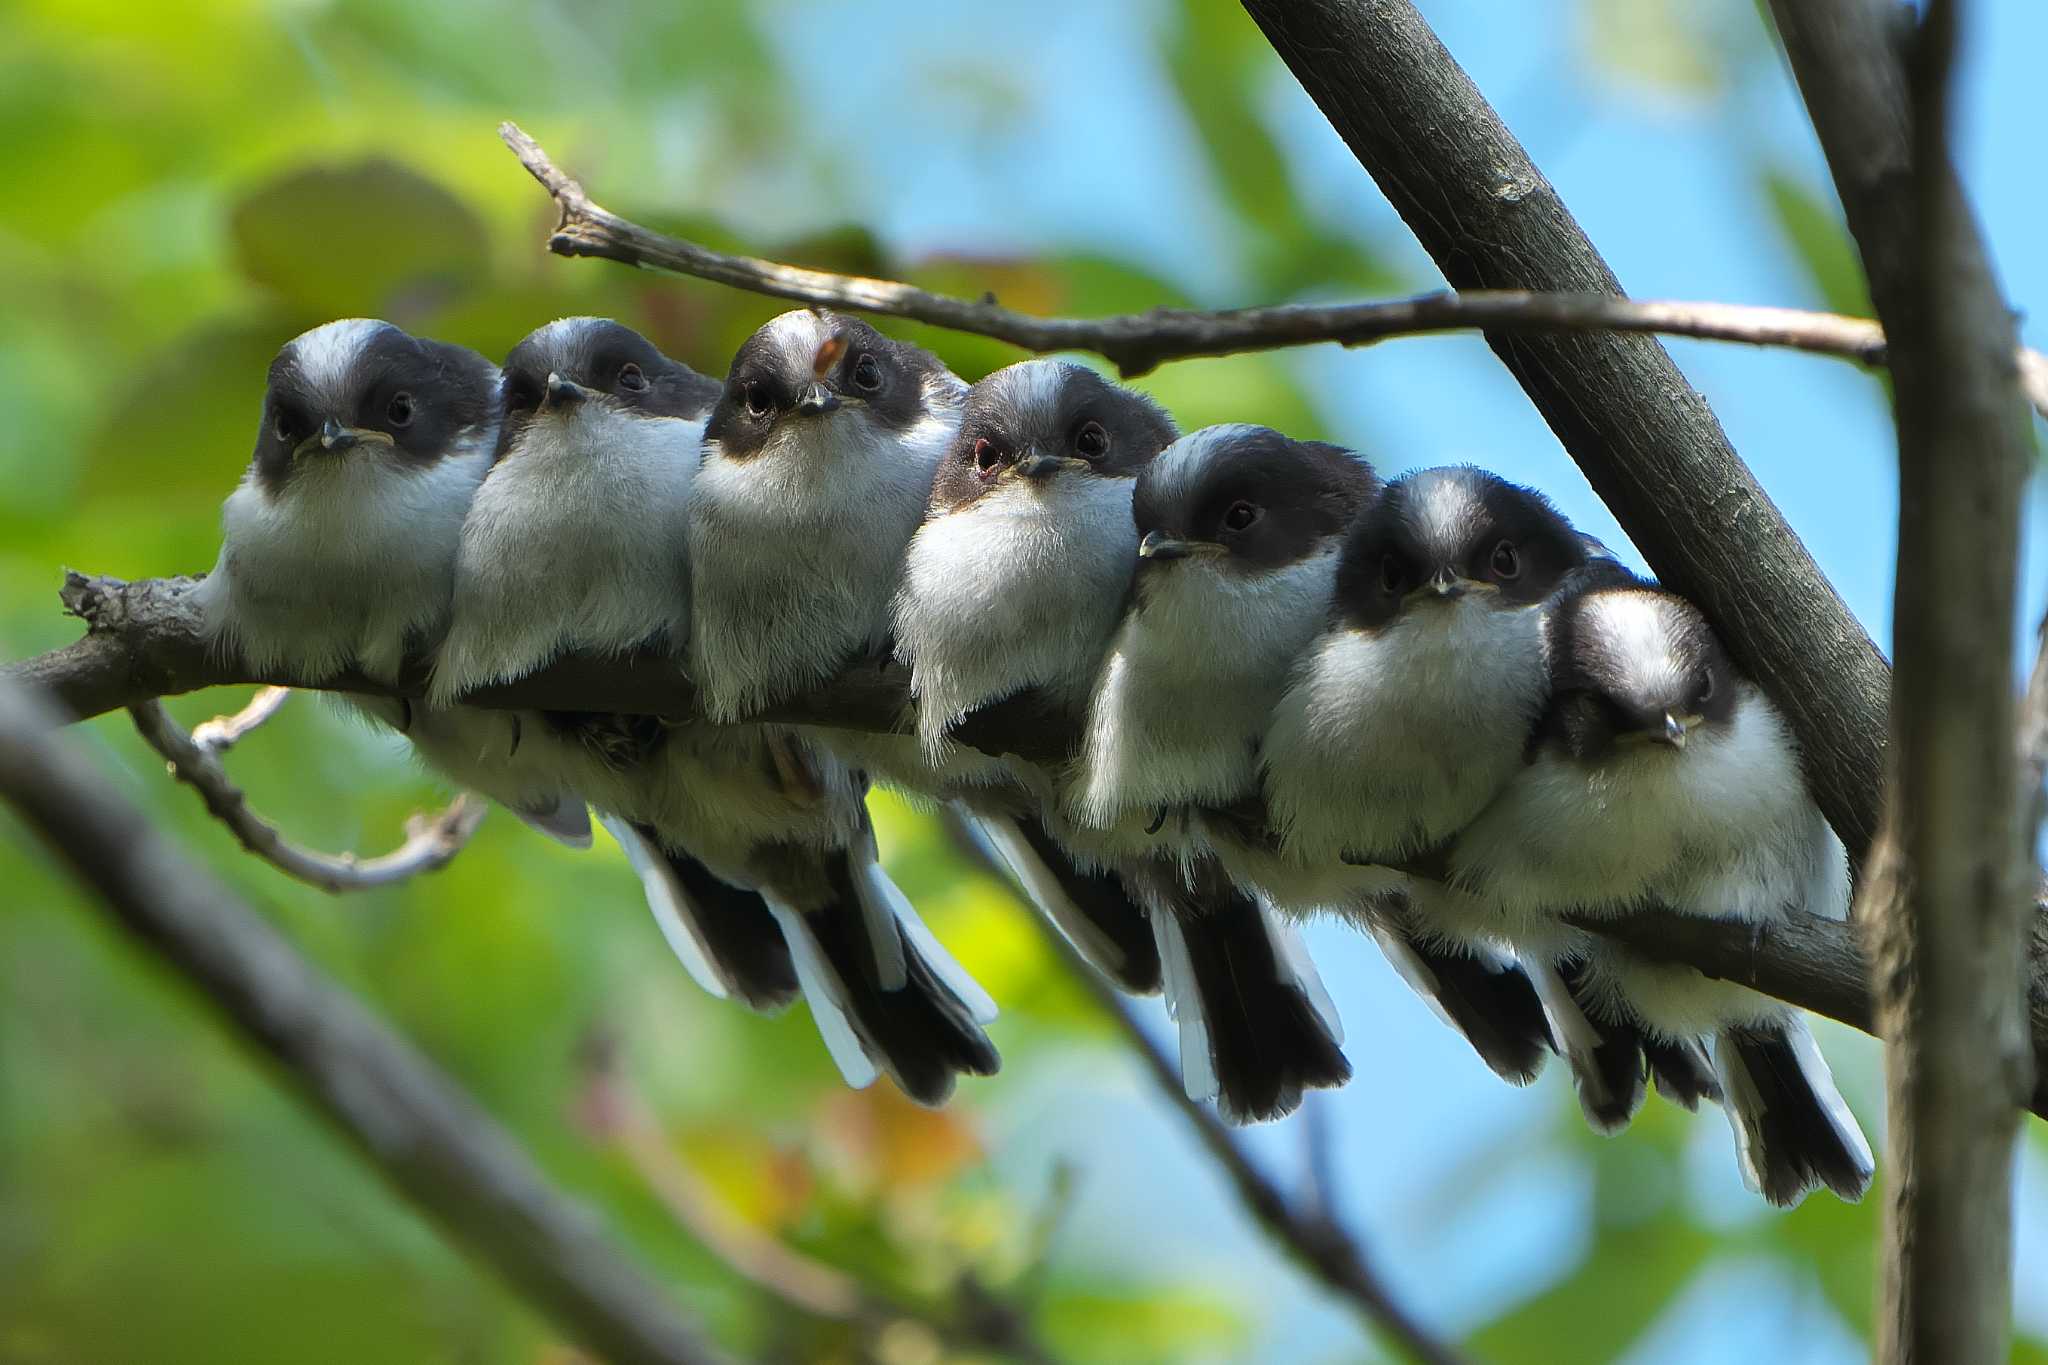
(1257, 1029)
(1091, 909)
(1793, 1130)
(723, 934)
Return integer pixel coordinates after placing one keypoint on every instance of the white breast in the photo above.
(1019, 589)
(1724, 828)
(576, 542)
(352, 563)
(796, 554)
(1390, 742)
(1200, 659)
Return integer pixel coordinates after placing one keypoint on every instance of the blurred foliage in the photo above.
(194, 183)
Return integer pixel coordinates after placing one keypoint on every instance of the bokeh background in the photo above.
(191, 184)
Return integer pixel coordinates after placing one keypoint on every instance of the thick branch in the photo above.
(1646, 441)
(424, 1135)
(1139, 342)
(430, 844)
(1952, 925)
(1815, 966)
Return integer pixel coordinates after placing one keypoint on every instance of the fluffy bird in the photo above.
(340, 542)
(1013, 583)
(818, 461)
(755, 851)
(1410, 714)
(1238, 534)
(1662, 777)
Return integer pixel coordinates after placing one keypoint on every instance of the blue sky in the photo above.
(1054, 126)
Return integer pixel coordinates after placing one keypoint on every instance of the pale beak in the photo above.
(1037, 466)
(1674, 732)
(565, 392)
(816, 399)
(1157, 545)
(1447, 586)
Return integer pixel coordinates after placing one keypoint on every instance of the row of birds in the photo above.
(1429, 706)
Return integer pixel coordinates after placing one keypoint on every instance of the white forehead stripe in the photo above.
(326, 354)
(1641, 629)
(1444, 512)
(1180, 467)
(798, 334)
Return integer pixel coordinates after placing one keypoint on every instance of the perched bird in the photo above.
(1016, 578)
(1662, 777)
(818, 461)
(755, 851)
(576, 541)
(1411, 713)
(340, 542)
(1238, 533)
(1014, 582)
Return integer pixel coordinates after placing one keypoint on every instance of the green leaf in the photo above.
(370, 239)
(1813, 228)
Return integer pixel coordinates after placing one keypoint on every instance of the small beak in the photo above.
(334, 436)
(564, 392)
(816, 399)
(1158, 546)
(1037, 466)
(1674, 732)
(1447, 586)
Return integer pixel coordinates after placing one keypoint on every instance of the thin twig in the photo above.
(1316, 1240)
(1139, 342)
(421, 1132)
(430, 841)
(614, 1112)
(223, 733)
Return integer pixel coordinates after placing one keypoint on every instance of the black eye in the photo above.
(631, 378)
(1392, 576)
(398, 411)
(1092, 441)
(1240, 515)
(1706, 687)
(522, 394)
(1506, 562)
(755, 396)
(986, 456)
(284, 428)
(867, 375)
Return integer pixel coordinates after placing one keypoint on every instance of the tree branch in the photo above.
(1315, 1239)
(1817, 966)
(430, 843)
(1140, 342)
(1951, 924)
(223, 733)
(1647, 442)
(431, 1141)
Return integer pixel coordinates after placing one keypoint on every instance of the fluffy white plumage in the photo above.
(796, 549)
(606, 493)
(1195, 669)
(1387, 741)
(1018, 589)
(351, 562)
